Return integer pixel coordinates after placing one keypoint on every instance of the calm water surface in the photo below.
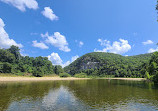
(78, 95)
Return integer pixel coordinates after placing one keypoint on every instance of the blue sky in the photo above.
(66, 29)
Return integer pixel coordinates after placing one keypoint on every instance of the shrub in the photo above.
(7, 67)
(155, 77)
(147, 75)
(81, 75)
(38, 72)
(64, 75)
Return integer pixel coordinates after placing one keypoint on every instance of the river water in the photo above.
(79, 95)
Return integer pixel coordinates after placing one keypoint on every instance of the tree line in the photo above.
(108, 64)
(97, 64)
(11, 61)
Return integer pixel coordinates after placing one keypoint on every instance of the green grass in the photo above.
(64, 75)
(50, 75)
(23, 75)
(12, 75)
(81, 75)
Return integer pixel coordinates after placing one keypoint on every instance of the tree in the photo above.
(153, 67)
(7, 67)
(155, 77)
(6, 56)
(15, 50)
(58, 69)
(147, 75)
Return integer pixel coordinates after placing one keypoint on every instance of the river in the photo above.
(79, 95)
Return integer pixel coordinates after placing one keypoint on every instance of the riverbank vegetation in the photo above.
(108, 64)
(11, 61)
(91, 65)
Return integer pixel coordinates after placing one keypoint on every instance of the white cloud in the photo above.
(147, 42)
(57, 40)
(79, 43)
(5, 41)
(70, 61)
(40, 45)
(74, 58)
(56, 60)
(103, 42)
(48, 13)
(152, 50)
(117, 47)
(22, 4)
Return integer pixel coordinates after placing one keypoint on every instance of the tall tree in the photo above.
(15, 50)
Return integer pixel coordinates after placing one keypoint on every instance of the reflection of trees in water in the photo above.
(111, 92)
(17, 91)
(94, 93)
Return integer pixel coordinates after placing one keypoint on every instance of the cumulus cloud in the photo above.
(80, 43)
(147, 42)
(57, 40)
(120, 47)
(152, 50)
(70, 61)
(22, 4)
(56, 60)
(74, 58)
(103, 42)
(40, 45)
(48, 13)
(5, 41)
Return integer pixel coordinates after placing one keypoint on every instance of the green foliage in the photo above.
(38, 72)
(147, 75)
(64, 75)
(58, 69)
(101, 64)
(15, 50)
(7, 67)
(12, 62)
(153, 67)
(6, 56)
(157, 8)
(81, 75)
(155, 77)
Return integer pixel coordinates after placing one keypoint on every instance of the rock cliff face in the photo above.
(107, 63)
(89, 65)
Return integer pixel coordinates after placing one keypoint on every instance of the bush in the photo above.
(147, 75)
(64, 75)
(81, 75)
(7, 67)
(38, 72)
(155, 77)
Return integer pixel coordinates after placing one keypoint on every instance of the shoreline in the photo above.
(14, 79)
(131, 79)
(9, 79)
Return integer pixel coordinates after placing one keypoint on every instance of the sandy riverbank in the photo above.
(56, 78)
(37, 78)
(134, 79)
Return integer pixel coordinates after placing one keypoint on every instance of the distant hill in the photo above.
(101, 63)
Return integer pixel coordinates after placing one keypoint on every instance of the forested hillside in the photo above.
(152, 68)
(92, 64)
(101, 64)
(11, 61)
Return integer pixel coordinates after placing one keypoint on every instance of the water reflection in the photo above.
(78, 95)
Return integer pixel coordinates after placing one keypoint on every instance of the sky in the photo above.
(64, 30)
